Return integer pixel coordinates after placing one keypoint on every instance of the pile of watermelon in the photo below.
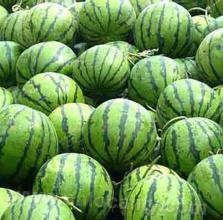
(111, 110)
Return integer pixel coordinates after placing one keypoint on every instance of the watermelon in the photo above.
(28, 139)
(215, 24)
(150, 76)
(134, 177)
(76, 8)
(219, 90)
(10, 52)
(69, 120)
(209, 58)
(6, 97)
(44, 57)
(15, 91)
(189, 4)
(104, 21)
(120, 134)
(185, 143)
(190, 98)
(49, 22)
(7, 197)
(3, 15)
(165, 26)
(45, 97)
(102, 71)
(79, 178)
(39, 207)
(207, 180)
(216, 8)
(163, 197)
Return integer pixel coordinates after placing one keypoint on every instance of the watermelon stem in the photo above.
(199, 9)
(18, 7)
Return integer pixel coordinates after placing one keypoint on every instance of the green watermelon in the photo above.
(28, 139)
(189, 4)
(47, 91)
(102, 71)
(209, 58)
(216, 8)
(165, 26)
(215, 24)
(207, 180)
(79, 178)
(6, 97)
(3, 15)
(7, 197)
(150, 76)
(38, 207)
(69, 120)
(120, 134)
(76, 8)
(163, 197)
(185, 143)
(134, 177)
(219, 90)
(15, 91)
(104, 21)
(190, 98)
(44, 57)
(10, 52)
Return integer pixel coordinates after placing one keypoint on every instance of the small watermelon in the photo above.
(207, 180)
(28, 139)
(38, 207)
(6, 97)
(45, 97)
(79, 178)
(190, 98)
(69, 120)
(3, 15)
(120, 134)
(44, 57)
(216, 8)
(163, 197)
(15, 91)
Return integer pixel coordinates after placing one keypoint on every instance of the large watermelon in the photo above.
(207, 180)
(120, 134)
(102, 71)
(38, 207)
(190, 98)
(28, 139)
(163, 197)
(165, 26)
(3, 15)
(185, 143)
(82, 180)
(150, 76)
(47, 91)
(44, 57)
(10, 52)
(6, 97)
(69, 121)
(104, 21)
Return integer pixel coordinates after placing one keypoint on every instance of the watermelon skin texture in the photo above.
(216, 8)
(190, 98)
(44, 57)
(6, 97)
(163, 197)
(207, 180)
(165, 26)
(8, 196)
(120, 134)
(185, 143)
(3, 14)
(15, 92)
(10, 52)
(28, 139)
(80, 178)
(69, 121)
(38, 207)
(105, 21)
(45, 97)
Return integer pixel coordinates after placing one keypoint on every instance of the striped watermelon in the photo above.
(47, 91)
(189, 4)
(216, 8)
(38, 207)
(102, 71)
(44, 57)
(209, 58)
(15, 91)
(207, 180)
(120, 134)
(134, 177)
(7, 197)
(215, 24)
(186, 142)
(219, 90)
(150, 76)
(69, 120)
(10, 52)
(104, 21)
(76, 8)
(3, 15)
(190, 98)
(82, 180)
(163, 197)
(28, 139)
(6, 97)
(165, 26)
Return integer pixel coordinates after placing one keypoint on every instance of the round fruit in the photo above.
(6, 97)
